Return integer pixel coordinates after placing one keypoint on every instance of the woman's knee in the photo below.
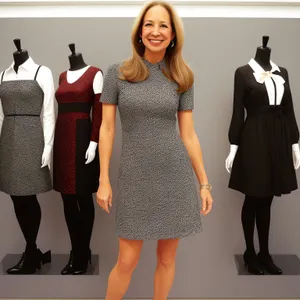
(127, 263)
(166, 258)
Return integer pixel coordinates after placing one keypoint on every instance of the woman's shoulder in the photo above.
(115, 66)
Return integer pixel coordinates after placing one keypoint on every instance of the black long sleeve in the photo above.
(289, 112)
(238, 114)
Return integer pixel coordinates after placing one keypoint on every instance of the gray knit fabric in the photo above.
(157, 197)
(22, 140)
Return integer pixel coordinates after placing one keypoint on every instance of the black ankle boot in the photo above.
(268, 264)
(252, 264)
(68, 269)
(30, 262)
(81, 260)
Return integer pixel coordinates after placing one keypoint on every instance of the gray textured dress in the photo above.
(157, 197)
(22, 140)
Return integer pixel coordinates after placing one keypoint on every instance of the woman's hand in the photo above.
(104, 196)
(206, 201)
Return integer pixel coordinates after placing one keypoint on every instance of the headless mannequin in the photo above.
(257, 210)
(79, 210)
(27, 209)
(20, 56)
(263, 54)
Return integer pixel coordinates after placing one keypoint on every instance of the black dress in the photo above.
(263, 165)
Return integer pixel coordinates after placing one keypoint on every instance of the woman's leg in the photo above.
(120, 275)
(165, 268)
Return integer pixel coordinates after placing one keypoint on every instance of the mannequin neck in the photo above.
(262, 57)
(19, 59)
(76, 62)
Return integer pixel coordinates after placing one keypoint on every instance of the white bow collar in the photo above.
(262, 76)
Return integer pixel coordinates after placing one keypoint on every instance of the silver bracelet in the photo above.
(206, 186)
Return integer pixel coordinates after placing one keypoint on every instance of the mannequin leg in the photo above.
(263, 216)
(28, 213)
(72, 217)
(79, 214)
(87, 213)
(248, 223)
(87, 216)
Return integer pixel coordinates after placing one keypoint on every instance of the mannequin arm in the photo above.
(238, 113)
(230, 157)
(48, 115)
(96, 118)
(91, 152)
(1, 117)
(296, 155)
(289, 112)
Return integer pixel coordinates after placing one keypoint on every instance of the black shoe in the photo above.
(252, 264)
(68, 269)
(30, 262)
(81, 260)
(268, 264)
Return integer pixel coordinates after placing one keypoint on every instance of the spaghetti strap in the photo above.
(36, 72)
(2, 76)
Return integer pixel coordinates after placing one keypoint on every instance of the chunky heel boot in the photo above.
(30, 262)
(268, 264)
(252, 264)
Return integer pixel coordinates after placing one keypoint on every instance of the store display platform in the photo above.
(54, 268)
(290, 264)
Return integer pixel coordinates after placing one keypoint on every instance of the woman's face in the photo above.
(156, 29)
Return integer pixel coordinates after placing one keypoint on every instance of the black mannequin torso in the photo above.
(76, 59)
(20, 56)
(263, 54)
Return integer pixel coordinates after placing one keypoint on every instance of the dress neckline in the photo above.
(159, 64)
(68, 71)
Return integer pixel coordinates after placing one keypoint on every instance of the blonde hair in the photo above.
(134, 68)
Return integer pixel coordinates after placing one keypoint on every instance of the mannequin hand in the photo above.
(46, 157)
(90, 152)
(230, 157)
(206, 201)
(296, 156)
(104, 196)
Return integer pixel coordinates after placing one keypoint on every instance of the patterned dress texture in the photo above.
(22, 139)
(157, 194)
(73, 132)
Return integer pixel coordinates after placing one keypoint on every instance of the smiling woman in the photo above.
(158, 197)
(158, 34)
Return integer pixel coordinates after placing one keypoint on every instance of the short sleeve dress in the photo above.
(157, 197)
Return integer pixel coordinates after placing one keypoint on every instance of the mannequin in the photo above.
(75, 59)
(262, 158)
(26, 89)
(76, 161)
(20, 56)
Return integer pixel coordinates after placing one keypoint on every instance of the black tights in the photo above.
(259, 210)
(79, 214)
(28, 213)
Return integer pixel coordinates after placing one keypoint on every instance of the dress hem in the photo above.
(162, 237)
(262, 196)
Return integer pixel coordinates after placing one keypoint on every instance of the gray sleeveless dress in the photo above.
(157, 194)
(22, 139)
